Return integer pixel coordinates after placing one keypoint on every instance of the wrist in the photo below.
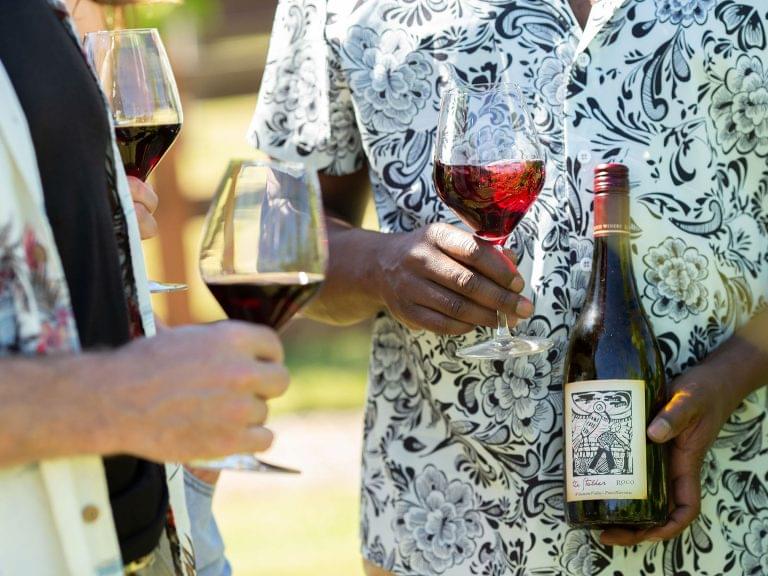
(89, 423)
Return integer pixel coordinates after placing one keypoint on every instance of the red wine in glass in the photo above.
(492, 198)
(271, 299)
(143, 146)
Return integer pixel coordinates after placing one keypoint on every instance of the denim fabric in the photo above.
(209, 547)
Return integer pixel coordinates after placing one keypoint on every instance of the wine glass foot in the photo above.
(165, 288)
(242, 462)
(503, 348)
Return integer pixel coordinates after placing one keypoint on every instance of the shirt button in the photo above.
(583, 60)
(90, 514)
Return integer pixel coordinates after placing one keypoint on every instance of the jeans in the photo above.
(209, 547)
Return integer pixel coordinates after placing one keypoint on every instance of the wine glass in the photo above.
(489, 169)
(264, 250)
(138, 81)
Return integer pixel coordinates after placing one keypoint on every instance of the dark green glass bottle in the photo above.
(614, 383)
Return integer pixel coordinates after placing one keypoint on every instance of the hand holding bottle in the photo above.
(690, 422)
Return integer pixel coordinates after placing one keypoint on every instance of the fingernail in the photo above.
(524, 308)
(659, 430)
(517, 284)
(654, 539)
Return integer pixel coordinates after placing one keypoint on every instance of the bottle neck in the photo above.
(612, 285)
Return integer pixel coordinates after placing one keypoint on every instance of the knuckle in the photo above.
(457, 306)
(472, 251)
(468, 281)
(437, 233)
(239, 411)
(238, 375)
(504, 300)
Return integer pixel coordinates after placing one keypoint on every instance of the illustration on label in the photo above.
(605, 440)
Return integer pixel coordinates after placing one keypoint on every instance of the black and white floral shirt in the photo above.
(462, 461)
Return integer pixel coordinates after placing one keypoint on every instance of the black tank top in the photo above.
(70, 132)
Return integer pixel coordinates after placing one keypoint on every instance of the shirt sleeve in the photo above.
(304, 111)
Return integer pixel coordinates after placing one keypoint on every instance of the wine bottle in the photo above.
(615, 383)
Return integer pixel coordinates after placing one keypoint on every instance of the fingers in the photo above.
(147, 223)
(421, 318)
(477, 255)
(474, 286)
(269, 380)
(453, 305)
(682, 409)
(622, 537)
(143, 194)
(257, 439)
(685, 473)
(259, 342)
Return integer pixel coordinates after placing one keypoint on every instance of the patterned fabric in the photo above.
(35, 313)
(463, 460)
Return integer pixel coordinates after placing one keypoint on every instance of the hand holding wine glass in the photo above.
(489, 169)
(137, 78)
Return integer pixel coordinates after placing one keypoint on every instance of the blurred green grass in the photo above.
(328, 368)
(292, 533)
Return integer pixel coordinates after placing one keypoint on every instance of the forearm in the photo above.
(349, 293)
(741, 363)
(49, 408)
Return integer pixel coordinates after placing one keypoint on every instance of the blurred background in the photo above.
(272, 525)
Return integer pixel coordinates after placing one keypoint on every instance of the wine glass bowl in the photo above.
(138, 82)
(489, 169)
(263, 252)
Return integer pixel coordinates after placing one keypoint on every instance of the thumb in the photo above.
(679, 412)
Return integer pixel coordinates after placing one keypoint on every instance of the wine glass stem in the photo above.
(502, 331)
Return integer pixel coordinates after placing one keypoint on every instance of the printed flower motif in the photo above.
(34, 252)
(740, 108)
(390, 80)
(296, 85)
(754, 560)
(683, 12)
(552, 77)
(389, 360)
(577, 553)
(517, 395)
(439, 529)
(675, 278)
(486, 146)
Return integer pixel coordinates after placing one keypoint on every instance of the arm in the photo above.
(702, 400)
(437, 278)
(346, 296)
(188, 393)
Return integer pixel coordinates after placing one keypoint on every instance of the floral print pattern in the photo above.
(462, 461)
(740, 108)
(683, 12)
(675, 279)
(754, 561)
(439, 528)
(389, 78)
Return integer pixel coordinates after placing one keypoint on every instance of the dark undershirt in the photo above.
(70, 132)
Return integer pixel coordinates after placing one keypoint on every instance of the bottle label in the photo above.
(605, 440)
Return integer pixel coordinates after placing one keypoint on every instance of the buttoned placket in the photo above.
(574, 145)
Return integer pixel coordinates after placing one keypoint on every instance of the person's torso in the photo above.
(677, 90)
(70, 131)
